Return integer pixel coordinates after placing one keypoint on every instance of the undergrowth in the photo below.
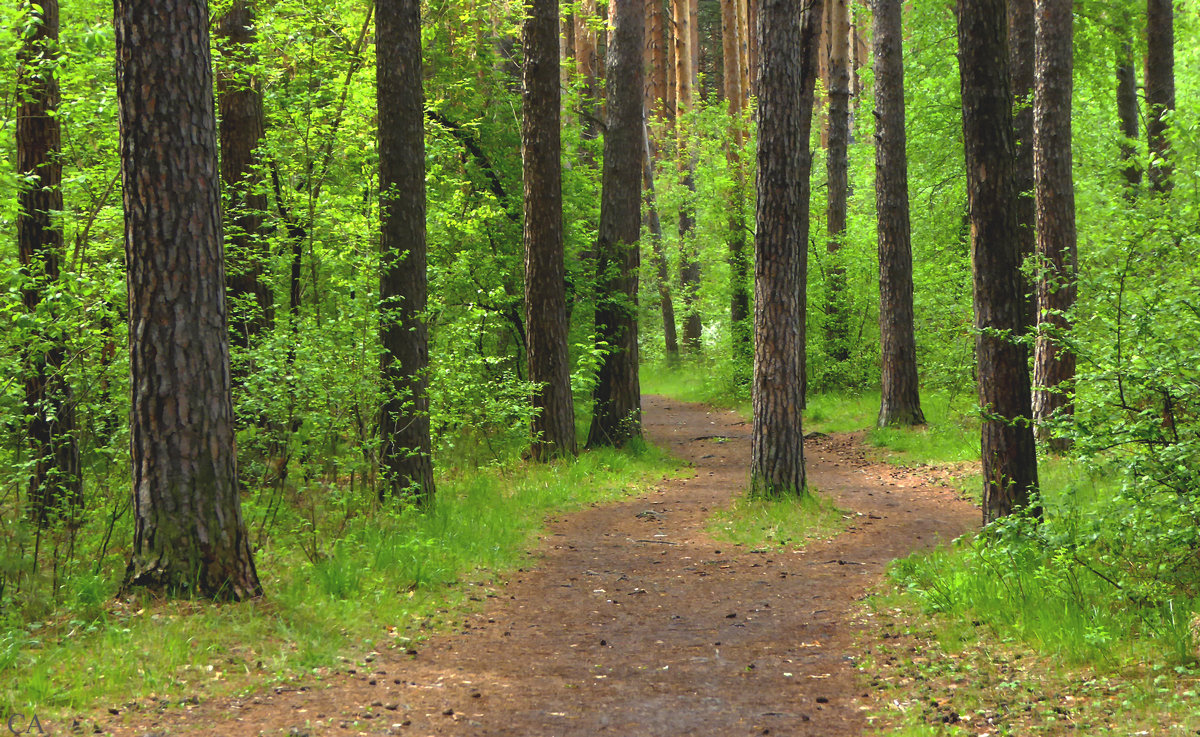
(341, 578)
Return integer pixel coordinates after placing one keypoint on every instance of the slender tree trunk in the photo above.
(745, 31)
(900, 400)
(655, 59)
(689, 264)
(617, 407)
(741, 328)
(545, 273)
(54, 484)
(404, 418)
(1020, 60)
(1160, 89)
(662, 272)
(752, 44)
(1054, 363)
(785, 88)
(241, 131)
(837, 318)
(1009, 460)
(189, 536)
(1127, 113)
(588, 63)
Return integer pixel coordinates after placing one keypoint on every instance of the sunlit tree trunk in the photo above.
(404, 418)
(54, 484)
(900, 401)
(1054, 363)
(1160, 89)
(739, 259)
(1009, 461)
(617, 407)
(545, 274)
(785, 89)
(189, 536)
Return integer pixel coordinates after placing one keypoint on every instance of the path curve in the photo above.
(635, 623)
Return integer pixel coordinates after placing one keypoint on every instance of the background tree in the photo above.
(1127, 110)
(837, 321)
(900, 401)
(685, 83)
(1009, 460)
(739, 260)
(545, 283)
(239, 102)
(55, 482)
(404, 417)
(786, 78)
(617, 407)
(1020, 73)
(189, 535)
(1054, 363)
(1160, 89)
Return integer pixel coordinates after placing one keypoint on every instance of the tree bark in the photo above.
(654, 225)
(786, 79)
(1020, 60)
(837, 319)
(545, 274)
(1127, 114)
(617, 406)
(239, 102)
(1160, 89)
(587, 61)
(1009, 460)
(741, 329)
(655, 59)
(404, 418)
(689, 265)
(900, 400)
(54, 484)
(189, 536)
(745, 31)
(1054, 363)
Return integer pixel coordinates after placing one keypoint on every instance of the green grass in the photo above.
(373, 579)
(758, 523)
(706, 381)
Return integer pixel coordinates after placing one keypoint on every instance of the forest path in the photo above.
(634, 622)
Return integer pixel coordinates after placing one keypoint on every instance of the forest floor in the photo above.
(632, 620)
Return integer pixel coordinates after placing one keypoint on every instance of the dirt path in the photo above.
(635, 623)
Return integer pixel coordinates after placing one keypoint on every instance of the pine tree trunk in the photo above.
(241, 131)
(189, 537)
(404, 418)
(617, 407)
(655, 59)
(745, 30)
(662, 271)
(1160, 89)
(587, 62)
(741, 328)
(54, 485)
(786, 79)
(1127, 114)
(545, 273)
(1009, 460)
(1020, 60)
(837, 319)
(689, 265)
(900, 400)
(1054, 364)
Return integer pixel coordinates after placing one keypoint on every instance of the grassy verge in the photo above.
(339, 583)
(777, 523)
